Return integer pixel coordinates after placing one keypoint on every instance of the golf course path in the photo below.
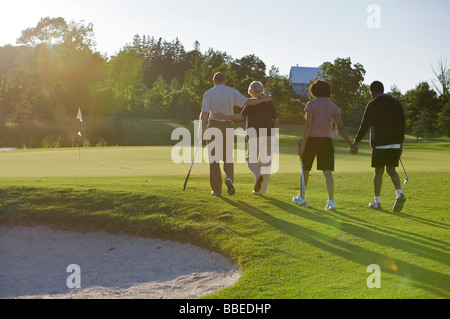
(40, 262)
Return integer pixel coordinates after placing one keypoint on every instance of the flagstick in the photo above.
(79, 117)
(79, 144)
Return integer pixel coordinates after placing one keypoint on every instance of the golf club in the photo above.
(189, 174)
(407, 177)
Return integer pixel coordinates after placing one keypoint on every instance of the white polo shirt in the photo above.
(222, 99)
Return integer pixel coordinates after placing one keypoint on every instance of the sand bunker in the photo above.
(34, 262)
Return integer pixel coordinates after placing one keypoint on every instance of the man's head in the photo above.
(376, 88)
(219, 78)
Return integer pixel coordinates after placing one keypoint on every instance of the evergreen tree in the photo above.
(418, 101)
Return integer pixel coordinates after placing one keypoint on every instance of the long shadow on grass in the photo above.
(425, 221)
(374, 233)
(435, 282)
(413, 237)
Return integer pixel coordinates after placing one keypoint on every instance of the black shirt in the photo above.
(261, 116)
(385, 117)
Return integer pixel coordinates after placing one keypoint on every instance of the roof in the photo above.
(300, 74)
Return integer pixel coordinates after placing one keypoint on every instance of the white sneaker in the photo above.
(299, 200)
(331, 205)
(375, 205)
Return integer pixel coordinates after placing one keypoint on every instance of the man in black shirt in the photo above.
(385, 118)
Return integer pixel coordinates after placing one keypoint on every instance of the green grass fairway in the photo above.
(156, 161)
(284, 251)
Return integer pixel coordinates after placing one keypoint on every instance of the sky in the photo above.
(397, 41)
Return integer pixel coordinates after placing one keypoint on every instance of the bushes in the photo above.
(96, 131)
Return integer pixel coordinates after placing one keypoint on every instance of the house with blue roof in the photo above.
(300, 77)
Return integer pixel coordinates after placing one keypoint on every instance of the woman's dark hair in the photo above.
(320, 89)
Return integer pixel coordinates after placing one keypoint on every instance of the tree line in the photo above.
(55, 68)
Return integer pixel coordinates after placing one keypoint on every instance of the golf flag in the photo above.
(79, 116)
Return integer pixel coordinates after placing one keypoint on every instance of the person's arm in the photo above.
(307, 133)
(402, 119)
(253, 101)
(352, 148)
(203, 119)
(366, 123)
(204, 114)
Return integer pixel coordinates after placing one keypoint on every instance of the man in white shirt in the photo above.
(222, 99)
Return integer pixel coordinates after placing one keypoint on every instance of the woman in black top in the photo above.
(261, 119)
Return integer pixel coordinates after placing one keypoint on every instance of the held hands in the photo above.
(353, 148)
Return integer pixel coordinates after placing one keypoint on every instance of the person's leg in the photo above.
(215, 175)
(392, 162)
(308, 159)
(325, 163)
(378, 180)
(255, 169)
(379, 157)
(330, 184)
(228, 168)
(306, 178)
(215, 178)
(228, 160)
(229, 180)
(377, 183)
(400, 198)
(395, 178)
(252, 157)
(264, 183)
(265, 159)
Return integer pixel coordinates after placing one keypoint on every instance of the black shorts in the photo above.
(323, 148)
(385, 157)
